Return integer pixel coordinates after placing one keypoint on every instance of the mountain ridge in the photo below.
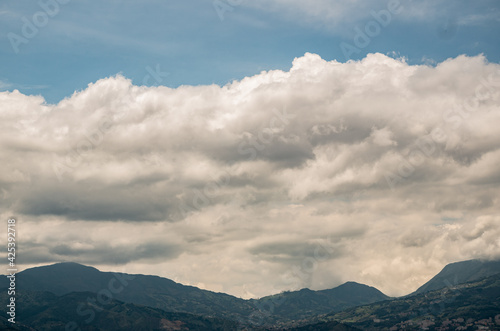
(165, 294)
(174, 306)
(467, 306)
(460, 272)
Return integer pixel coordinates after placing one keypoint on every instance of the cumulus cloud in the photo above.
(375, 171)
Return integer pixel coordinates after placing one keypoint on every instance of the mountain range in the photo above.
(165, 294)
(50, 297)
(467, 306)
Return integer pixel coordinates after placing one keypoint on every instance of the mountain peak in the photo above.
(65, 265)
(460, 272)
(353, 284)
(69, 268)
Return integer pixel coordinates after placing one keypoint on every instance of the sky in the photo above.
(251, 147)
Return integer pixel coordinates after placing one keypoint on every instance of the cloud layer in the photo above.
(332, 14)
(374, 171)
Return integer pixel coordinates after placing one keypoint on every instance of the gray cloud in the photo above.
(234, 185)
(293, 252)
(97, 253)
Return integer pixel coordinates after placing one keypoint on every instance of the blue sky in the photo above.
(88, 40)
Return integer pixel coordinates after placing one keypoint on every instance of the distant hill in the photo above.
(49, 297)
(306, 303)
(468, 306)
(460, 272)
(165, 294)
(152, 291)
(46, 311)
(40, 311)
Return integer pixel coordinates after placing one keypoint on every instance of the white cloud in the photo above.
(236, 186)
(4, 85)
(478, 19)
(341, 16)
